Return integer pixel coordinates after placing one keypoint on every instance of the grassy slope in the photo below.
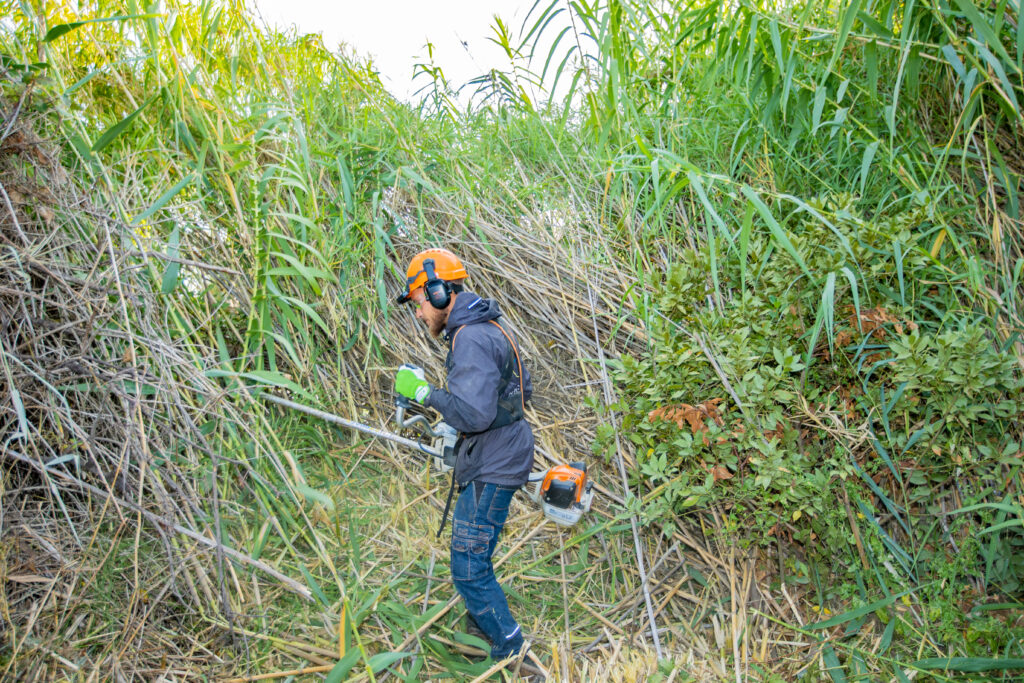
(709, 156)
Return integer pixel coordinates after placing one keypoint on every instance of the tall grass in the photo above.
(858, 163)
(754, 134)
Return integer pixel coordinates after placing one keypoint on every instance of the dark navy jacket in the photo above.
(470, 402)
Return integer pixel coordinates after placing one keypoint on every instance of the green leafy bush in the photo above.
(869, 393)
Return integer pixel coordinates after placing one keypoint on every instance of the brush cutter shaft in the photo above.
(563, 492)
(358, 426)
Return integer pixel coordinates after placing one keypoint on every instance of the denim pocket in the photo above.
(469, 537)
(470, 543)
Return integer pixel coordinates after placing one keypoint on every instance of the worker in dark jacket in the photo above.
(487, 389)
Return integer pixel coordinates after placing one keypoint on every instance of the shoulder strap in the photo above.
(451, 344)
(507, 412)
(515, 350)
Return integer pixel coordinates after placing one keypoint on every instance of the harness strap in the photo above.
(508, 412)
(515, 350)
(447, 507)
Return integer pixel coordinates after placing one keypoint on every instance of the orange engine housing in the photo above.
(563, 485)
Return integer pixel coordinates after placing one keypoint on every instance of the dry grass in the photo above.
(112, 565)
(95, 579)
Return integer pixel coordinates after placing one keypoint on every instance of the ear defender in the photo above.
(436, 290)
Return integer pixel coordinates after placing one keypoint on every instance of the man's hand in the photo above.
(411, 383)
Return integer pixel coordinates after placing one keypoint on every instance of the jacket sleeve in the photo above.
(471, 400)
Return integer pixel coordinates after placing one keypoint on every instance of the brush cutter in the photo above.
(564, 492)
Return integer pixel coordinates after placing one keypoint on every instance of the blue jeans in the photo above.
(479, 516)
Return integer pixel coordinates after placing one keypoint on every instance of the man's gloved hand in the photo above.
(411, 383)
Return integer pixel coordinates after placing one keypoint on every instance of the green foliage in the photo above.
(807, 345)
(816, 207)
(912, 400)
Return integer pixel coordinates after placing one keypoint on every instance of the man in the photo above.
(487, 387)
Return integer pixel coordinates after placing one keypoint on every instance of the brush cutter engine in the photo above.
(563, 492)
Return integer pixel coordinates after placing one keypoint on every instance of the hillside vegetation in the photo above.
(765, 260)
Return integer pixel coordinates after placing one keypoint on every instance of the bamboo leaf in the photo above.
(310, 275)
(549, 13)
(832, 665)
(1003, 525)
(845, 270)
(1020, 39)
(310, 493)
(63, 29)
(163, 199)
(773, 28)
(777, 232)
(713, 249)
(262, 377)
(308, 310)
(859, 612)
(1007, 88)
(288, 347)
(1005, 507)
(299, 243)
(312, 582)
(382, 660)
(19, 409)
(849, 16)
(828, 305)
(873, 25)
(949, 52)
(745, 230)
(865, 164)
(551, 55)
(111, 133)
(343, 667)
(890, 629)
(982, 28)
(871, 66)
(82, 81)
(353, 537)
(698, 187)
(820, 93)
(969, 664)
(837, 121)
(170, 278)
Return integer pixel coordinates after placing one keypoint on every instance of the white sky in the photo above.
(394, 33)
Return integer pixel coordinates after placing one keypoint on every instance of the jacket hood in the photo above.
(471, 308)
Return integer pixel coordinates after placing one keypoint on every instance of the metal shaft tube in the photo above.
(358, 426)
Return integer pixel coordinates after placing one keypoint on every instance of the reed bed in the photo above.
(113, 565)
(189, 221)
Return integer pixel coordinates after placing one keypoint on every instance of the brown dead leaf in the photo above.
(686, 414)
(875, 318)
(719, 472)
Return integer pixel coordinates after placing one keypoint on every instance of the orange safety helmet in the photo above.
(447, 267)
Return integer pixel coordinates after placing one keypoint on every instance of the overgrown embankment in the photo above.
(791, 235)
